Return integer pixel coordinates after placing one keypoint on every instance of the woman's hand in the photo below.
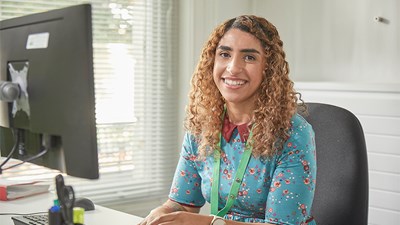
(172, 213)
(181, 218)
(155, 214)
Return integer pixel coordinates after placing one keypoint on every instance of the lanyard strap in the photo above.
(235, 185)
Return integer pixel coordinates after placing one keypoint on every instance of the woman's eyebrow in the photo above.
(225, 48)
(246, 50)
(250, 50)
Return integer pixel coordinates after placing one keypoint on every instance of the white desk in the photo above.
(42, 202)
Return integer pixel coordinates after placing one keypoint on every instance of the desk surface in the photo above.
(42, 202)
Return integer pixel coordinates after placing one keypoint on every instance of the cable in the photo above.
(17, 143)
(40, 154)
(17, 138)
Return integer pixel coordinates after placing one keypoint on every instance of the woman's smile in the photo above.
(238, 67)
(234, 82)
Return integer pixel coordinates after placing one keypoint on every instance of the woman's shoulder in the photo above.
(298, 122)
(300, 129)
(190, 143)
(301, 140)
(191, 138)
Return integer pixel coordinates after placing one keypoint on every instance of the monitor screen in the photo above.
(47, 96)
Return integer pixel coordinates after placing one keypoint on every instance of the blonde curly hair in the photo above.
(277, 99)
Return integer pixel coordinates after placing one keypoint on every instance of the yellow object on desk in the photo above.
(79, 215)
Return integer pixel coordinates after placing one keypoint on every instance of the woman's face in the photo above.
(238, 66)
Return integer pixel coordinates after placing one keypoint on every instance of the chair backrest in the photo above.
(341, 194)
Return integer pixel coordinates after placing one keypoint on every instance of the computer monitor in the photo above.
(47, 90)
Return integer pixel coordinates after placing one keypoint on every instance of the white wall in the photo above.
(338, 40)
(339, 43)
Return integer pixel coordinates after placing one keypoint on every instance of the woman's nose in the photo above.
(234, 67)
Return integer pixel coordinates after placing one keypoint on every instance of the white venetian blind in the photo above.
(135, 66)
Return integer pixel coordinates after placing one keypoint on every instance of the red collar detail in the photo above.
(228, 128)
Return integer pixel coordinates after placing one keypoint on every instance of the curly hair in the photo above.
(277, 100)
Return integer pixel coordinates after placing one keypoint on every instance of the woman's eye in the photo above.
(249, 58)
(224, 55)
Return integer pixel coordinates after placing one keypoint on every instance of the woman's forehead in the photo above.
(237, 39)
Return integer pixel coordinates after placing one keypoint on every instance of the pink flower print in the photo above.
(188, 192)
(196, 184)
(272, 189)
(244, 184)
(192, 158)
(289, 145)
(273, 220)
(286, 191)
(307, 181)
(287, 181)
(252, 171)
(174, 190)
(304, 162)
(303, 209)
(194, 175)
(270, 210)
(306, 168)
(229, 176)
(277, 184)
(183, 173)
(259, 190)
(225, 171)
(245, 193)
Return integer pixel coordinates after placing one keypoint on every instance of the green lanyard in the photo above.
(235, 185)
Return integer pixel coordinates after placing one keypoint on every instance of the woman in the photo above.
(246, 149)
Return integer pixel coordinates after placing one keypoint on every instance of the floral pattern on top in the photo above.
(276, 190)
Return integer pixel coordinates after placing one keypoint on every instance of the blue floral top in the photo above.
(277, 190)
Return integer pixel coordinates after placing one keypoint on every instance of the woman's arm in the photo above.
(293, 183)
(177, 214)
(174, 213)
(188, 218)
(175, 207)
(183, 188)
(167, 208)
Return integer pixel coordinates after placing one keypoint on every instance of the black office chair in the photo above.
(341, 194)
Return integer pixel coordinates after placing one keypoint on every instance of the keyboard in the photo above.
(36, 219)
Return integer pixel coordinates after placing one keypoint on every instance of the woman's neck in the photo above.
(239, 115)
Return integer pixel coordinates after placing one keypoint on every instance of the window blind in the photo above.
(135, 67)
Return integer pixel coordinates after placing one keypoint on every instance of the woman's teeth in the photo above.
(234, 82)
